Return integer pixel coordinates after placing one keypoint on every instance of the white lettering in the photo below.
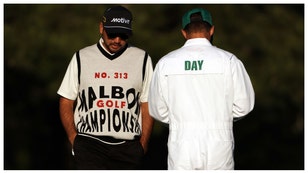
(120, 20)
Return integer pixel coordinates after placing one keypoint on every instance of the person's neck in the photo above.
(105, 49)
(198, 35)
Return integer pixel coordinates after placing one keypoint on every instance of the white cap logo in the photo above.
(120, 20)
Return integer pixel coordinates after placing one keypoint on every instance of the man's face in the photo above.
(113, 42)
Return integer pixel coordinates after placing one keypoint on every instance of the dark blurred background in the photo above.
(39, 41)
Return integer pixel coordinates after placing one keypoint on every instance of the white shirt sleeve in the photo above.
(69, 86)
(157, 104)
(244, 96)
(146, 82)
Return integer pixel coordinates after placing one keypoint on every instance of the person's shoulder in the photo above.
(223, 52)
(171, 56)
(135, 49)
(176, 53)
(86, 50)
(136, 52)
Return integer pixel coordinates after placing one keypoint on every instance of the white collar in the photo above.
(197, 41)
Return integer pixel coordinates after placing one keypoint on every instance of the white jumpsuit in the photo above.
(198, 90)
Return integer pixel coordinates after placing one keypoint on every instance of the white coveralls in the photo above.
(198, 90)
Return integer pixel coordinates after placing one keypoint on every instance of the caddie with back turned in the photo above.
(199, 90)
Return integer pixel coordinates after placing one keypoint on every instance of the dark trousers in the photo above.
(95, 154)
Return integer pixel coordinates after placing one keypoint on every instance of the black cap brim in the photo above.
(119, 31)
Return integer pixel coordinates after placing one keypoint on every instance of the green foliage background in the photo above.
(40, 39)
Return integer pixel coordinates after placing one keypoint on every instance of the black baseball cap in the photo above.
(118, 20)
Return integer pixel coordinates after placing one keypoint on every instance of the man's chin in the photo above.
(114, 49)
